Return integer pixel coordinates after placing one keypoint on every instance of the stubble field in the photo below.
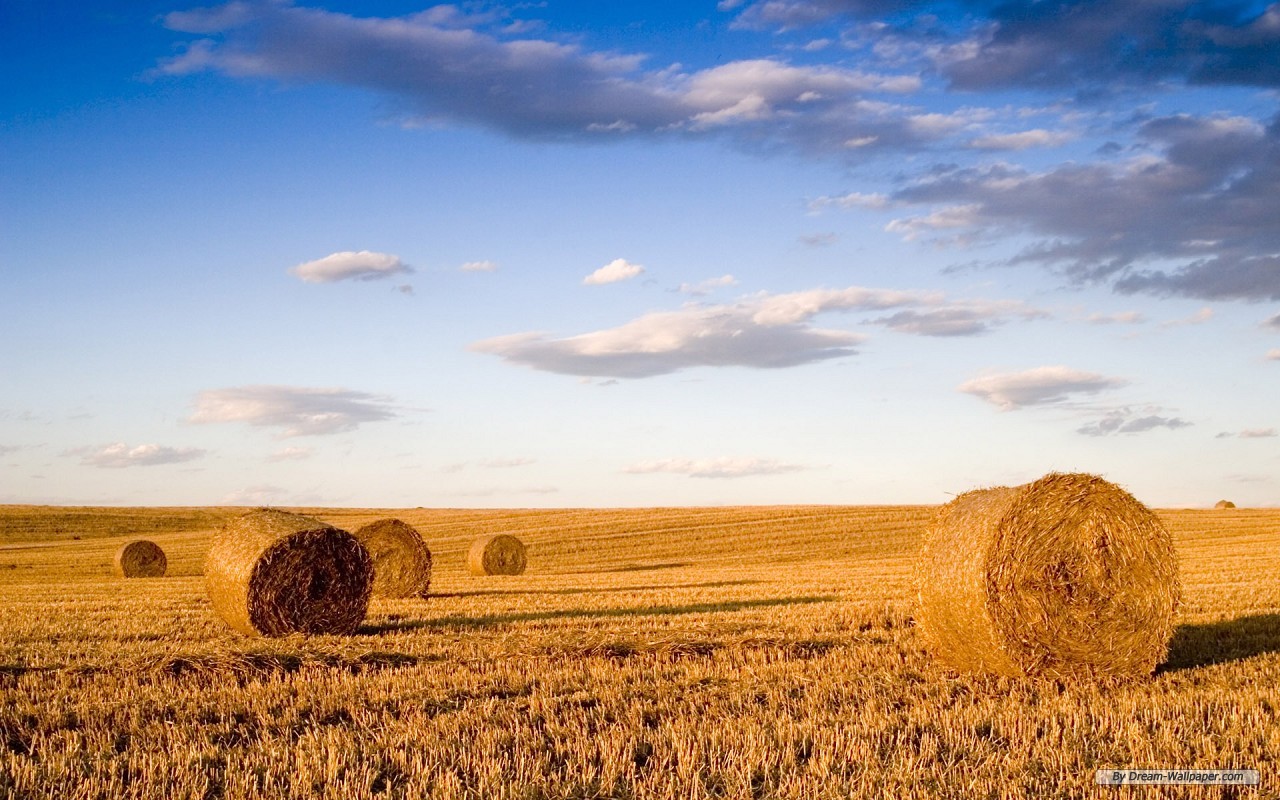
(651, 653)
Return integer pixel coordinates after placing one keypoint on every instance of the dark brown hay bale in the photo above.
(140, 559)
(1224, 504)
(274, 573)
(499, 554)
(401, 560)
(1068, 576)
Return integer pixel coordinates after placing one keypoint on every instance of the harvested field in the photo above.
(649, 653)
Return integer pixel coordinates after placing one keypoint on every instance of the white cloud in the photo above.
(506, 463)
(260, 495)
(119, 455)
(1257, 433)
(1039, 386)
(706, 287)
(1274, 354)
(1199, 318)
(298, 411)
(479, 266)
(290, 454)
(871, 201)
(363, 265)
(724, 467)
(1119, 318)
(912, 228)
(616, 270)
(759, 331)
(1022, 140)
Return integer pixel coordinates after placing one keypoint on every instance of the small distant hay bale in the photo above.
(1068, 576)
(273, 573)
(140, 558)
(1224, 504)
(499, 554)
(401, 559)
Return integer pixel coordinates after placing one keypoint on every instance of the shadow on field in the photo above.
(648, 567)
(389, 625)
(587, 590)
(1221, 642)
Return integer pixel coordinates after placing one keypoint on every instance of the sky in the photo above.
(564, 254)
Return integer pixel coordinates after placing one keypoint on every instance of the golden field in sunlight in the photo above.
(743, 652)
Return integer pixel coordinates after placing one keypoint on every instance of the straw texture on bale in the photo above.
(140, 559)
(1224, 504)
(274, 573)
(401, 560)
(1068, 576)
(499, 554)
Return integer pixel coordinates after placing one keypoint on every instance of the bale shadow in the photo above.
(390, 626)
(586, 590)
(1222, 642)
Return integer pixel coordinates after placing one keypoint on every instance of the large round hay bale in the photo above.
(274, 573)
(401, 560)
(1068, 576)
(140, 559)
(499, 554)
(1224, 504)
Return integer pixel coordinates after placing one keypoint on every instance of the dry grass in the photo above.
(656, 653)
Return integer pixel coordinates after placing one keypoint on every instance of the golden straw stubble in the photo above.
(401, 559)
(274, 573)
(497, 554)
(1068, 576)
(140, 558)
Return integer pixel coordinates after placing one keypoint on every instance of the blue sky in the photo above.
(584, 254)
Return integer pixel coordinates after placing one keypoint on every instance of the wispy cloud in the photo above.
(296, 411)
(616, 270)
(290, 454)
(1040, 386)
(479, 266)
(1128, 421)
(724, 467)
(1200, 199)
(362, 265)
(1198, 318)
(475, 71)
(703, 288)
(1118, 318)
(258, 495)
(1273, 355)
(1022, 140)
(120, 455)
(760, 331)
(1248, 433)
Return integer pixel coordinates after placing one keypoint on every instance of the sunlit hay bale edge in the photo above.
(497, 554)
(274, 573)
(140, 558)
(401, 559)
(1068, 576)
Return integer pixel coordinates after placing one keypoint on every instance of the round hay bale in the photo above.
(401, 560)
(274, 573)
(1224, 504)
(499, 554)
(140, 559)
(1068, 576)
